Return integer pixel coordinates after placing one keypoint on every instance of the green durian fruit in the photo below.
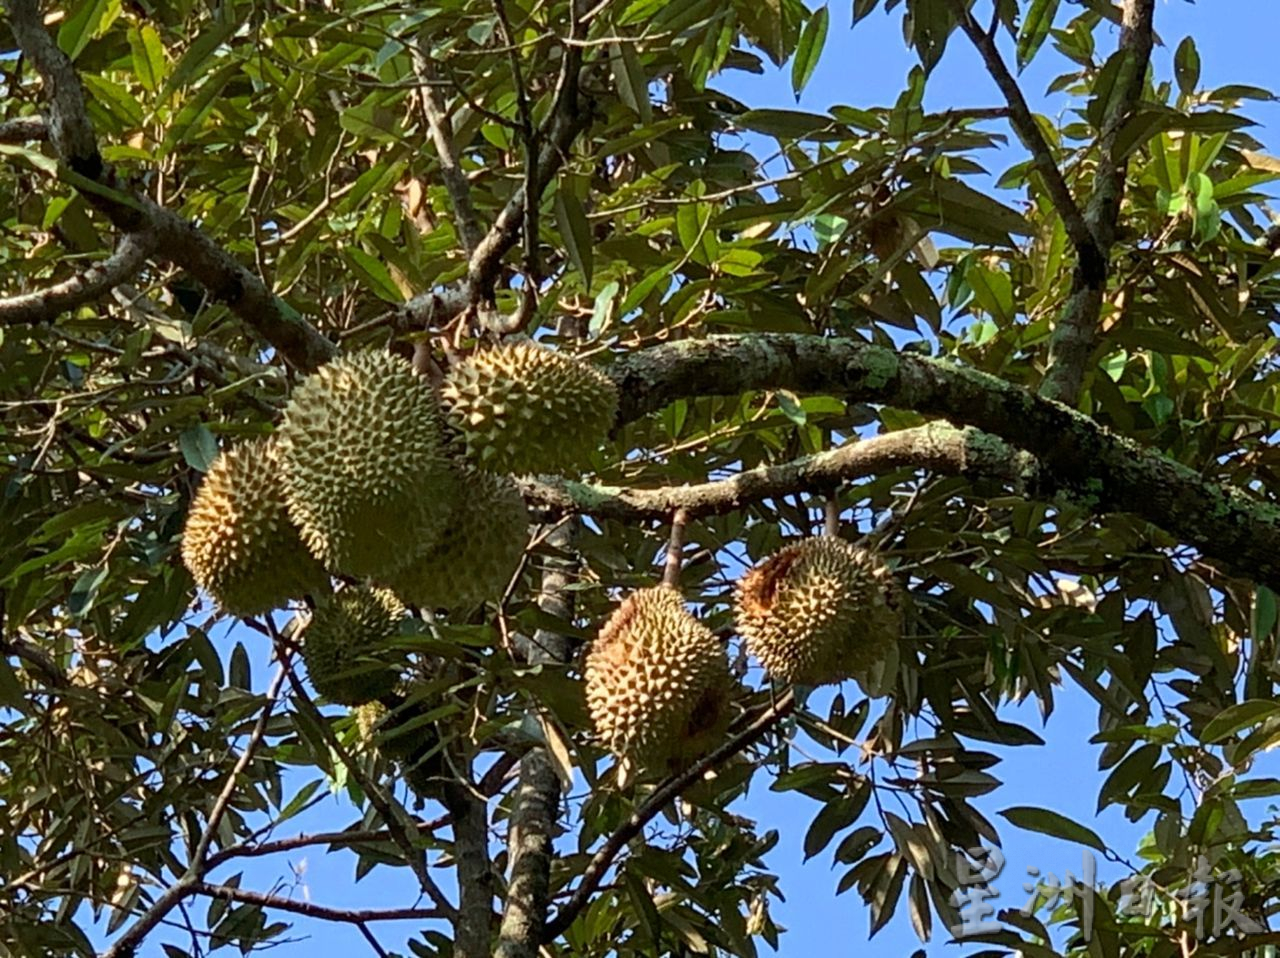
(238, 540)
(341, 645)
(365, 472)
(478, 555)
(819, 611)
(523, 408)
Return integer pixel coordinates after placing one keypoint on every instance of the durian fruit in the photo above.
(366, 476)
(657, 683)
(819, 611)
(238, 541)
(341, 645)
(479, 553)
(524, 408)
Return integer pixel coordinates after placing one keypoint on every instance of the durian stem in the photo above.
(675, 550)
(831, 514)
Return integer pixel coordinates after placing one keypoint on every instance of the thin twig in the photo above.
(310, 909)
(1028, 130)
(603, 859)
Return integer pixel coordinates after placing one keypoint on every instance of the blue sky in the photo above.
(864, 66)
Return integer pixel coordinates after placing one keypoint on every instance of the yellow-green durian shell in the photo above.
(342, 645)
(478, 555)
(523, 408)
(239, 542)
(366, 476)
(657, 682)
(819, 611)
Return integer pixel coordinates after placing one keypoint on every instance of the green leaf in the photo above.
(1051, 823)
(828, 228)
(1035, 29)
(85, 591)
(808, 52)
(375, 274)
(571, 220)
(790, 124)
(1236, 717)
(84, 21)
(791, 407)
(1264, 612)
(199, 447)
(149, 64)
(1186, 66)
(602, 311)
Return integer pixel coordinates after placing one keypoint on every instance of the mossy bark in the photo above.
(1075, 455)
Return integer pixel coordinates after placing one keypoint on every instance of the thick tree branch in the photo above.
(966, 452)
(178, 240)
(309, 909)
(99, 279)
(69, 128)
(471, 921)
(1073, 337)
(1099, 469)
(23, 129)
(603, 859)
(536, 802)
(1028, 129)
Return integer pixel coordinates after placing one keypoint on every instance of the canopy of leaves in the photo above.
(370, 162)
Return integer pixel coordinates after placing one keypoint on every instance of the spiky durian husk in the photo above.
(819, 611)
(523, 408)
(479, 553)
(238, 541)
(657, 682)
(366, 476)
(340, 645)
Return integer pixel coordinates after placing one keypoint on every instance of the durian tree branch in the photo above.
(474, 915)
(350, 836)
(354, 916)
(43, 305)
(23, 129)
(966, 452)
(1027, 127)
(1071, 344)
(440, 127)
(1100, 470)
(176, 239)
(536, 803)
(670, 790)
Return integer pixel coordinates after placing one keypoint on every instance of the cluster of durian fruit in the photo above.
(658, 682)
(405, 493)
(402, 490)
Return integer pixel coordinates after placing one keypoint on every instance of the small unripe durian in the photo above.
(819, 611)
(341, 645)
(365, 472)
(657, 683)
(238, 541)
(479, 553)
(523, 408)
